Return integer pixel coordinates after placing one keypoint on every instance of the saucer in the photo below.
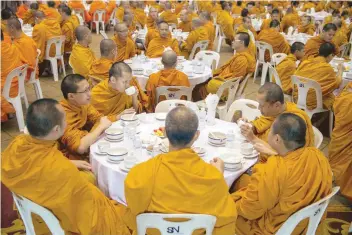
(112, 161)
(160, 116)
(123, 168)
(254, 154)
(110, 140)
(97, 152)
(232, 169)
(217, 145)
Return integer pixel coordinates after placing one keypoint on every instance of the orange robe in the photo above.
(178, 7)
(311, 49)
(150, 23)
(80, 121)
(52, 13)
(21, 11)
(81, 59)
(157, 46)
(209, 26)
(340, 38)
(241, 64)
(265, 24)
(236, 9)
(77, 4)
(340, 147)
(11, 58)
(140, 17)
(291, 19)
(263, 125)
(185, 26)
(42, 32)
(281, 187)
(285, 70)
(59, 187)
(195, 36)
(146, 189)
(226, 22)
(169, 17)
(98, 5)
(28, 17)
(119, 13)
(110, 7)
(68, 30)
(166, 77)
(308, 6)
(100, 68)
(125, 50)
(7, 37)
(320, 71)
(43, 7)
(308, 29)
(276, 40)
(151, 34)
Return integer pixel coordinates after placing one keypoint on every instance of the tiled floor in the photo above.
(51, 89)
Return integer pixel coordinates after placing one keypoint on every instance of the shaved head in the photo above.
(118, 68)
(14, 23)
(167, 5)
(205, 15)
(273, 92)
(106, 47)
(80, 32)
(169, 59)
(40, 14)
(181, 126)
(196, 22)
(34, 6)
(128, 18)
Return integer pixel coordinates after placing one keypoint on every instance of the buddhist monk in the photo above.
(29, 16)
(84, 123)
(139, 14)
(340, 37)
(25, 45)
(51, 12)
(44, 29)
(82, 57)
(158, 45)
(129, 20)
(331, 6)
(294, 177)
(153, 32)
(6, 14)
(109, 97)
(319, 70)
(120, 11)
(271, 104)
(287, 67)
(11, 58)
(241, 64)
(225, 21)
(307, 6)
(99, 71)
(306, 26)
(180, 167)
(198, 33)
(291, 19)
(191, 12)
(205, 17)
(22, 9)
(273, 37)
(78, 5)
(125, 45)
(34, 161)
(275, 15)
(340, 147)
(312, 46)
(237, 8)
(68, 27)
(246, 27)
(169, 16)
(169, 76)
(152, 18)
(185, 25)
(97, 5)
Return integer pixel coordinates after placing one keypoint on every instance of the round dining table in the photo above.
(110, 176)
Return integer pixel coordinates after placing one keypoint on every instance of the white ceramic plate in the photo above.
(251, 156)
(216, 145)
(112, 162)
(199, 150)
(117, 151)
(111, 140)
(160, 116)
(97, 152)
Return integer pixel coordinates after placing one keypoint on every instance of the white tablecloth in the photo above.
(345, 79)
(301, 37)
(154, 64)
(111, 179)
(179, 36)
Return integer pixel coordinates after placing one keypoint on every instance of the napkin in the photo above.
(211, 102)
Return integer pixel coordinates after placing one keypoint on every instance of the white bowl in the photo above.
(231, 160)
(114, 133)
(247, 149)
(103, 146)
(127, 118)
(117, 154)
(218, 138)
(131, 90)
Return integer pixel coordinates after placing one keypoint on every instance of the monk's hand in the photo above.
(105, 123)
(265, 149)
(82, 165)
(218, 163)
(247, 132)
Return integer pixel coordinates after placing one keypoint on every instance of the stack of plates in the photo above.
(232, 161)
(116, 155)
(254, 154)
(200, 151)
(114, 134)
(217, 139)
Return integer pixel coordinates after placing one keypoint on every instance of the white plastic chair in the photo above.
(277, 58)
(273, 74)
(303, 86)
(261, 47)
(163, 106)
(112, 20)
(102, 32)
(20, 73)
(172, 26)
(98, 17)
(210, 58)
(221, 39)
(81, 13)
(345, 49)
(318, 137)
(173, 92)
(156, 220)
(240, 91)
(314, 212)
(290, 31)
(201, 45)
(249, 109)
(33, 80)
(27, 207)
(59, 42)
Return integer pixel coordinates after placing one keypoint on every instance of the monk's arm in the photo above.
(175, 47)
(239, 67)
(39, 38)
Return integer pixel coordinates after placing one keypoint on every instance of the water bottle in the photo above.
(202, 118)
(137, 144)
(230, 138)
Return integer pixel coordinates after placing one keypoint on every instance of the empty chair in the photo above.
(59, 42)
(27, 207)
(273, 75)
(314, 212)
(201, 45)
(210, 58)
(318, 137)
(33, 80)
(221, 38)
(158, 221)
(173, 92)
(248, 108)
(277, 58)
(303, 86)
(98, 18)
(163, 106)
(261, 48)
(19, 73)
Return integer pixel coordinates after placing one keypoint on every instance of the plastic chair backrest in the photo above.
(290, 31)
(34, 72)
(242, 86)
(303, 86)
(19, 72)
(172, 26)
(163, 106)
(58, 41)
(217, 31)
(314, 212)
(345, 48)
(27, 207)
(261, 47)
(99, 16)
(210, 58)
(173, 92)
(249, 109)
(156, 220)
(102, 32)
(79, 12)
(277, 58)
(318, 137)
(112, 16)
(273, 74)
(201, 45)
(231, 86)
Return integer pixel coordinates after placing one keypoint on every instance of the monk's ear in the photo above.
(196, 136)
(70, 96)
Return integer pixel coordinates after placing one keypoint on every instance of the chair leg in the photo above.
(63, 65)
(19, 113)
(103, 25)
(53, 63)
(97, 27)
(331, 122)
(38, 89)
(264, 72)
(256, 71)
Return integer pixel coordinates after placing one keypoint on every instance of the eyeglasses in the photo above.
(85, 91)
